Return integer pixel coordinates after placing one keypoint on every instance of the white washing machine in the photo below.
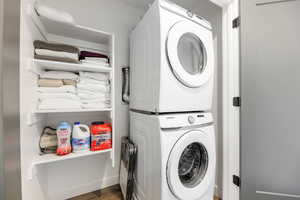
(171, 61)
(176, 156)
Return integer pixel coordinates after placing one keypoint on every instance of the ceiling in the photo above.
(143, 4)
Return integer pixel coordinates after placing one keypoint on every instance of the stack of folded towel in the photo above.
(57, 90)
(66, 90)
(56, 52)
(94, 90)
(88, 57)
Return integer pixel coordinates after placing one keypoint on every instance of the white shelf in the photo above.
(76, 33)
(51, 158)
(71, 110)
(84, 38)
(41, 65)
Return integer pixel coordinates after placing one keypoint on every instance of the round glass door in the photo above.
(193, 165)
(190, 53)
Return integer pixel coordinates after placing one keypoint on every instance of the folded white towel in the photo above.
(95, 59)
(93, 81)
(59, 54)
(62, 89)
(95, 101)
(96, 106)
(54, 14)
(101, 63)
(59, 75)
(87, 96)
(45, 96)
(94, 87)
(56, 104)
(94, 75)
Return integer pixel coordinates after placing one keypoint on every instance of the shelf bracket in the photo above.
(36, 20)
(32, 119)
(112, 158)
(111, 114)
(31, 67)
(31, 171)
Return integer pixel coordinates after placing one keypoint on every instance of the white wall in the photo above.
(68, 178)
(105, 14)
(119, 18)
(1, 122)
(213, 13)
(29, 135)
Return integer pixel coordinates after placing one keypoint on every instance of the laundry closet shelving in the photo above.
(84, 38)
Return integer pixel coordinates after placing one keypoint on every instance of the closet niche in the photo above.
(62, 64)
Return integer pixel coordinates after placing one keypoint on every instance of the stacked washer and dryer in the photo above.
(172, 70)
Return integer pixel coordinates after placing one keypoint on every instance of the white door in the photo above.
(190, 53)
(191, 165)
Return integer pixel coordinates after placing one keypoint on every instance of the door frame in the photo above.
(231, 114)
(231, 88)
(10, 158)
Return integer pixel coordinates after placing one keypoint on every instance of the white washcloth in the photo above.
(59, 75)
(58, 54)
(95, 76)
(45, 96)
(54, 14)
(62, 89)
(94, 87)
(56, 104)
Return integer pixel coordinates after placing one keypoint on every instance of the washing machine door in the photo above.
(190, 53)
(191, 166)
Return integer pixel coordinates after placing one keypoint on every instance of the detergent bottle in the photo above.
(101, 136)
(81, 137)
(64, 131)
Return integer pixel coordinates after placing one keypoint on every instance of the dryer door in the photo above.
(190, 53)
(191, 166)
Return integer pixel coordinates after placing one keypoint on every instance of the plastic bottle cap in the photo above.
(64, 124)
(76, 123)
(97, 123)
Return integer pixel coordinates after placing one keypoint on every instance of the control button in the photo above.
(189, 13)
(191, 119)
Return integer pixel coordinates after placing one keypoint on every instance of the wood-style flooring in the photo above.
(110, 193)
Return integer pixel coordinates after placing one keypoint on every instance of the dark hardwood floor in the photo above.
(110, 193)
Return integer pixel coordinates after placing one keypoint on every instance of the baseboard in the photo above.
(217, 192)
(86, 188)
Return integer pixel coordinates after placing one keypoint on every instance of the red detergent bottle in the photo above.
(101, 136)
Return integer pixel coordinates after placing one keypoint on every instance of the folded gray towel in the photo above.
(58, 47)
(38, 44)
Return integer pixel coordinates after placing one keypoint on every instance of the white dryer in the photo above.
(171, 61)
(176, 156)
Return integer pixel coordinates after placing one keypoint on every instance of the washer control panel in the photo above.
(184, 120)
